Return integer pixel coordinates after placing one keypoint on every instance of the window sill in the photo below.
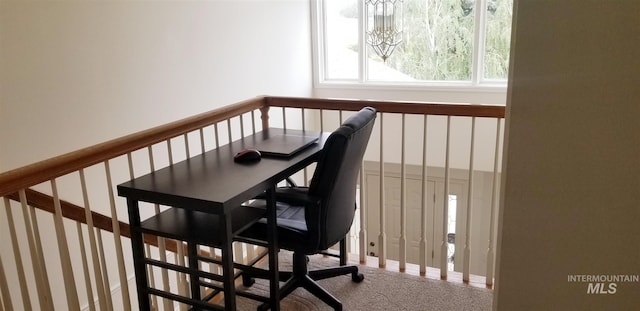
(445, 93)
(431, 86)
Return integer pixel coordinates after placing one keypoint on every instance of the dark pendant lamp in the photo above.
(383, 26)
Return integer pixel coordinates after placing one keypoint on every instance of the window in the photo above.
(444, 42)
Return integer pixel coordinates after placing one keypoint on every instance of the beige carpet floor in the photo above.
(381, 290)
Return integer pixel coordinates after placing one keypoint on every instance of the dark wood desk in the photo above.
(205, 193)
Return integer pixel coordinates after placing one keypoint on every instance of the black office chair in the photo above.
(311, 220)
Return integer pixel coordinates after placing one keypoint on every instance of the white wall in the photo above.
(75, 73)
(571, 199)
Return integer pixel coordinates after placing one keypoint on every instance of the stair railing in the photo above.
(78, 189)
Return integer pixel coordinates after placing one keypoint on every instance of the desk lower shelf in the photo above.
(201, 228)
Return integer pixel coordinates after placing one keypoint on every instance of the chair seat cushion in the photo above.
(289, 216)
(292, 226)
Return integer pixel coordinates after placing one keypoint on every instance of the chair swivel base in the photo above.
(301, 277)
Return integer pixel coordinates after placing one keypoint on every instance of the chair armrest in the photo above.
(294, 196)
(290, 182)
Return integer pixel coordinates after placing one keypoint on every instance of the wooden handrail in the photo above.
(27, 176)
(464, 110)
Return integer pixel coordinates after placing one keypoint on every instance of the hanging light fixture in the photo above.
(383, 26)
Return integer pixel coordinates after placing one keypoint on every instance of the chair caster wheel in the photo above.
(247, 281)
(357, 277)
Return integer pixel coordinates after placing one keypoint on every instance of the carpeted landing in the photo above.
(381, 290)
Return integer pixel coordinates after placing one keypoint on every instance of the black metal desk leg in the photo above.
(192, 250)
(227, 264)
(272, 238)
(137, 246)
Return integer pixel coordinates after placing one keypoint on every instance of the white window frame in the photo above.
(476, 84)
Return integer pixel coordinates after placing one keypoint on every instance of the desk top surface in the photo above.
(212, 182)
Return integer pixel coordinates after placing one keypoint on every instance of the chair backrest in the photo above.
(335, 179)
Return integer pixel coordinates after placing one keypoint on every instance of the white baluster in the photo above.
(494, 193)
(103, 267)
(37, 260)
(170, 154)
(284, 118)
(102, 300)
(423, 209)
(186, 145)
(122, 273)
(445, 213)
(39, 250)
(24, 290)
(85, 268)
(467, 250)
(363, 217)
(202, 145)
(403, 203)
(253, 121)
(5, 298)
(241, 125)
(63, 248)
(382, 236)
(217, 137)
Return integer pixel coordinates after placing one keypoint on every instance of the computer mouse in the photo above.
(247, 155)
